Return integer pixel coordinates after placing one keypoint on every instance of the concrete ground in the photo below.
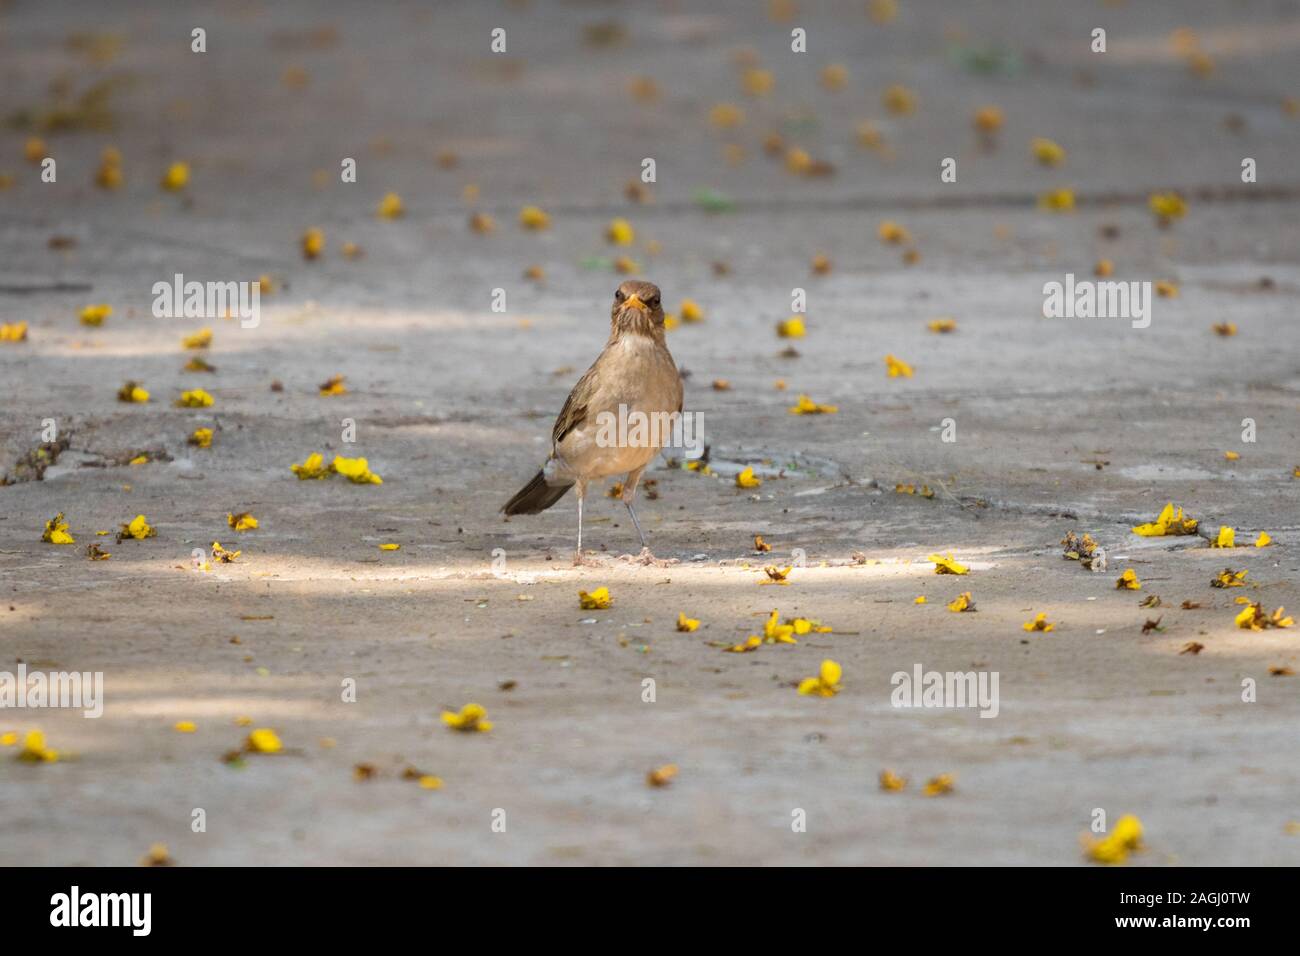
(1061, 424)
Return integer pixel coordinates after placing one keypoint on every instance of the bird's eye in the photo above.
(619, 296)
(653, 302)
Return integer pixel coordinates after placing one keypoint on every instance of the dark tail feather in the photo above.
(535, 497)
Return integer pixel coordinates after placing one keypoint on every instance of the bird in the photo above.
(599, 431)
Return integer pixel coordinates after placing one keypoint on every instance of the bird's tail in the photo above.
(536, 496)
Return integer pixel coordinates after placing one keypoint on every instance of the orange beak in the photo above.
(632, 302)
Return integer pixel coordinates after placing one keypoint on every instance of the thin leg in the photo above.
(629, 492)
(636, 524)
(579, 524)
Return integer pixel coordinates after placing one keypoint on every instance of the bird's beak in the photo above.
(632, 302)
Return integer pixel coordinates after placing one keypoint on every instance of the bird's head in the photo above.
(637, 309)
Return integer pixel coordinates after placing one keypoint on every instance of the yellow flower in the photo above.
(891, 782)
(746, 479)
(869, 135)
(333, 386)
(176, 177)
(1227, 538)
(199, 340)
(920, 599)
(201, 437)
(1128, 581)
(390, 207)
(532, 217)
(892, 232)
(726, 115)
(774, 632)
(1039, 623)
(791, 328)
(826, 683)
(56, 531)
(34, 149)
(472, 717)
(198, 364)
(1254, 618)
(1115, 846)
(132, 392)
(1231, 455)
(686, 624)
(776, 575)
(1103, 268)
(95, 315)
(661, 776)
(962, 602)
(690, 311)
(752, 643)
(756, 82)
(1167, 206)
(620, 232)
(1166, 289)
(390, 547)
(803, 625)
(597, 600)
(988, 119)
(1225, 329)
(938, 785)
(194, 398)
(109, 175)
(13, 331)
(882, 11)
(241, 522)
(313, 243)
(482, 223)
(894, 367)
(429, 782)
(1169, 522)
(946, 565)
(313, 467)
(355, 470)
(798, 160)
(263, 741)
(139, 529)
(1263, 541)
(835, 76)
(185, 727)
(1046, 151)
(35, 750)
(221, 555)
(8, 739)
(942, 326)
(899, 100)
(807, 406)
(1057, 200)
(1228, 578)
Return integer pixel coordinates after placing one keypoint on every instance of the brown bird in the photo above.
(619, 414)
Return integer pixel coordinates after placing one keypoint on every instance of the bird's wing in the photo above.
(574, 412)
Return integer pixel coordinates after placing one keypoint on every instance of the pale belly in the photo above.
(626, 424)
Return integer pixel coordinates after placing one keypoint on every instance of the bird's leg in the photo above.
(629, 492)
(580, 488)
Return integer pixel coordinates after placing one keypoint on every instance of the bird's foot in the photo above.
(581, 560)
(647, 559)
